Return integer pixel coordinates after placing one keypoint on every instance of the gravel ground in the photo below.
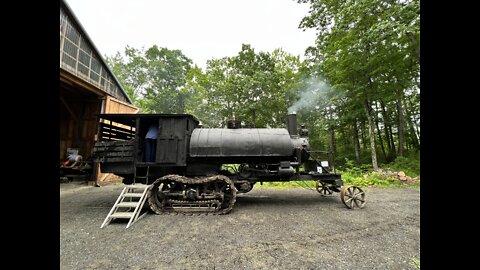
(267, 229)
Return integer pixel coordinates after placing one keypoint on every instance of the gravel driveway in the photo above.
(267, 229)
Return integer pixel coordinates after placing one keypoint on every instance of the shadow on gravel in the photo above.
(255, 201)
(248, 201)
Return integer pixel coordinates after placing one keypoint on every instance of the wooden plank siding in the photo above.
(81, 133)
(113, 105)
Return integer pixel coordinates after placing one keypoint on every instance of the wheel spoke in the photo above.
(351, 203)
(359, 194)
(356, 203)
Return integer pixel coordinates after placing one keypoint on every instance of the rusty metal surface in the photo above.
(353, 197)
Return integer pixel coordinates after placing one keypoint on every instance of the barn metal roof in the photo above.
(104, 86)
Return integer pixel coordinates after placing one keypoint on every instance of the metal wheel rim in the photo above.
(353, 197)
(322, 188)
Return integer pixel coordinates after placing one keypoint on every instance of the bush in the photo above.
(409, 165)
(363, 174)
(371, 179)
(355, 169)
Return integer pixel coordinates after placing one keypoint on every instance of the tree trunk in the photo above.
(388, 136)
(372, 134)
(417, 132)
(345, 137)
(362, 131)
(379, 133)
(401, 127)
(356, 142)
(414, 136)
(392, 142)
(333, 149)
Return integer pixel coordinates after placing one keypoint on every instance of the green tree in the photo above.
(154, 78)
(253, 86)
(131, 72)
(369, 51)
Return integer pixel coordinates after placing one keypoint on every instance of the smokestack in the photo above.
(292, 124)
(234, 123)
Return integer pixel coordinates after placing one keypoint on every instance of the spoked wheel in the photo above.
(353, 197)
(323, 188)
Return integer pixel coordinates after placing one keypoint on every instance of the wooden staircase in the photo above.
(128, 205)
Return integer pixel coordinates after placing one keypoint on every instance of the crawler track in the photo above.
(201, 195)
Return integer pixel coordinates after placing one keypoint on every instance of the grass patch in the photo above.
(363, 175)
(357, 177)
(286, 185)
(372, 178)
(415, 262)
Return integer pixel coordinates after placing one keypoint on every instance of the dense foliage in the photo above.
(357, 90)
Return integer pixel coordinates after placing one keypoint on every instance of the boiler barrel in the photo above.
(243, 142)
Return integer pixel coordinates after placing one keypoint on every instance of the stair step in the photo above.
(128, 204)
(122, 215)
(133, 195)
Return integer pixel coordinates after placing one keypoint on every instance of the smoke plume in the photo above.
(313, 95)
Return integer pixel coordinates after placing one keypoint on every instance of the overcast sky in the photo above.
(201, 29)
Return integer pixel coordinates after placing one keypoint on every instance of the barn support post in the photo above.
(98, 137)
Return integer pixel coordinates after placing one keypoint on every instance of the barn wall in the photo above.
(114, 105)
(78, 130)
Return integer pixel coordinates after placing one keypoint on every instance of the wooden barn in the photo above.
(87, 87)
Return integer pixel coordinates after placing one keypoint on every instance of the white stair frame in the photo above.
(133, 216)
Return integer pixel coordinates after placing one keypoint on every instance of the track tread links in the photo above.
(158, 206)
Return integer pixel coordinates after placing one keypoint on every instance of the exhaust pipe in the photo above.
(292, 124)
